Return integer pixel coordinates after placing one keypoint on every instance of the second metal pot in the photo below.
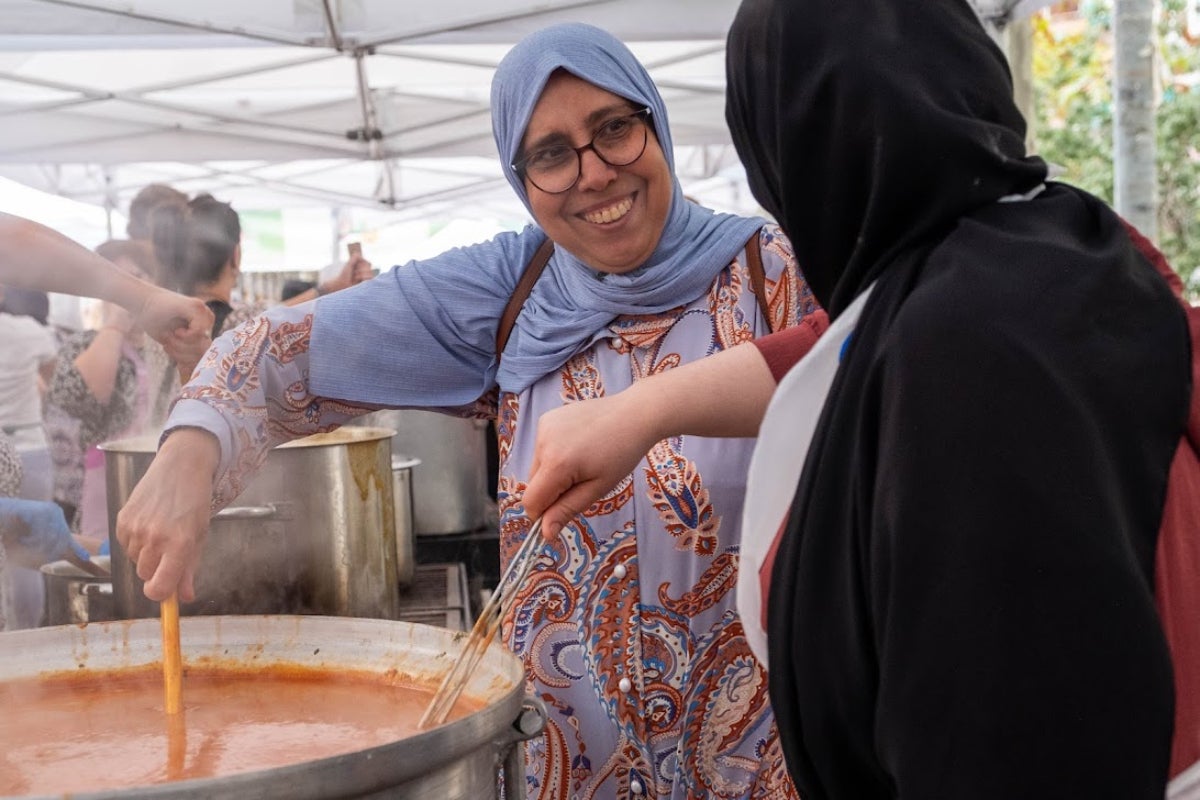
(73, 597)
(313, 532)
(450, 491)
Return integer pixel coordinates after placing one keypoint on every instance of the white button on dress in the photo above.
(619, 572)
(624, 685)
(636, 787)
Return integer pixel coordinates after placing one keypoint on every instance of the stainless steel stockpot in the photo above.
(461, 760)
(74, 597)
(313, 532)
(450, 490)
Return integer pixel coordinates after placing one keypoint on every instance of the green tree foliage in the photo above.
(1072, 69)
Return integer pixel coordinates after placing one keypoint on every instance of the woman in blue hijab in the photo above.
(626, 624)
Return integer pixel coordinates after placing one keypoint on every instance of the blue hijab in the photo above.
(436, 319)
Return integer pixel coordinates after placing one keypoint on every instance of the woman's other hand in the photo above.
(163, 524)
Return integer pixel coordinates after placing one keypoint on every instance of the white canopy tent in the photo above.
(379, 104)
(270, 102)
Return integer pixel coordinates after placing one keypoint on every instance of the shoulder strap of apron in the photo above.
(533, 271)
(758, 278)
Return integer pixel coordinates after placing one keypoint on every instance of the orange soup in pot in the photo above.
(106, 729)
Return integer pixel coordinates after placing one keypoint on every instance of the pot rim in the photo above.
(65, 570)
(400, 462)
(347, 434)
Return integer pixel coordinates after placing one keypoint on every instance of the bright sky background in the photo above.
(84, 223)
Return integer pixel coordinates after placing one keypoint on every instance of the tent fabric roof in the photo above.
(271, 103)
(362, 102)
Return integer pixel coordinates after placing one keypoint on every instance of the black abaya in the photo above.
(962, 604)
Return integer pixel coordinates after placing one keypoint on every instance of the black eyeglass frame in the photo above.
(643, 115)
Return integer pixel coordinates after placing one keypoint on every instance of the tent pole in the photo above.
(1135, 178)
(110, 201)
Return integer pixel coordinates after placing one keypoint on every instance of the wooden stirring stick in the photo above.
(176, 746)
(172, 658)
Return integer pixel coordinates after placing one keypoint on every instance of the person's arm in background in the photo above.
(95, 384)
(356, 270)
(45, 374)
(35, 257)
(98, 363)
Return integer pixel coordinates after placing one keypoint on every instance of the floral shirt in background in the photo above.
(123, 415)
(10, 468)
(10, 486)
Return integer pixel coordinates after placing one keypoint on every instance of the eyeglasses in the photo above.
(556, 168)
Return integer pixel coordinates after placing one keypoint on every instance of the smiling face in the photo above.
(613, 217)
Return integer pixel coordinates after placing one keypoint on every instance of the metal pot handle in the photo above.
(530, 722)
(96, 589)
(247, 512)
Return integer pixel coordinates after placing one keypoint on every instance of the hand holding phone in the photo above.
(360, 268)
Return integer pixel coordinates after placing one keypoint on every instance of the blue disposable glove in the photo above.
(35, 532)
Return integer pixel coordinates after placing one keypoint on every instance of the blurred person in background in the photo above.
(33, 256)
(63, 430)
(143, 205)
(27, 351)
(100, 379)
(199, 252)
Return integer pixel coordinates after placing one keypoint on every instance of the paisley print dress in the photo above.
(626, 623)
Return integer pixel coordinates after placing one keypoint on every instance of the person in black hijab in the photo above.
(962, 603)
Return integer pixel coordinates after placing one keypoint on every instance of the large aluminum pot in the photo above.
(457, 761)
(75, 597)
(312, 533)
(450, 491)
